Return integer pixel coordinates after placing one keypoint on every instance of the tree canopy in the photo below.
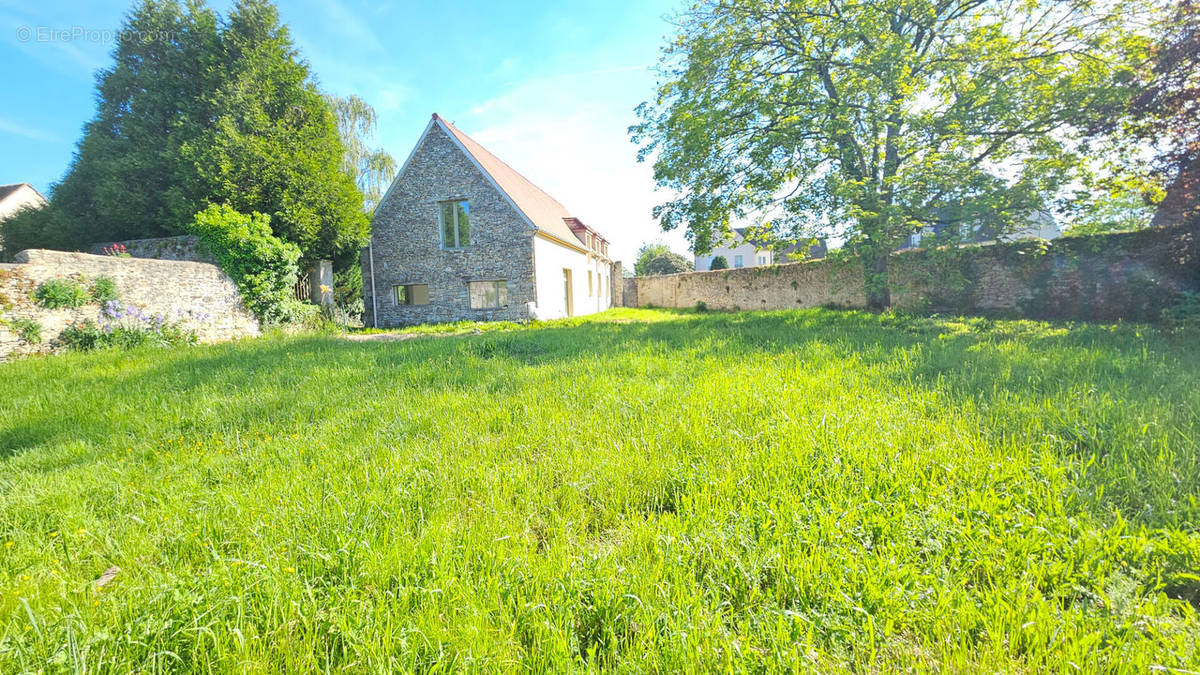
(871, 120)
(1165, 113)
(658, 258)
(224, 112)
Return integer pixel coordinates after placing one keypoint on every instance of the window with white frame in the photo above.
(488, 294)
(762, 260)
(455, 220)
(737, 261)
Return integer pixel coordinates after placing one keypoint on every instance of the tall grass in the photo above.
(645, 489)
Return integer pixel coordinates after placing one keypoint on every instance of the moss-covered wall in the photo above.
(1132, 276)
(1101, 277)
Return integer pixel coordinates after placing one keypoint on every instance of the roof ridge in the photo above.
(545, 213)
(463, 136)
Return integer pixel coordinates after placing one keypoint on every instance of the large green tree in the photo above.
(272, 145)
(874, 118)
(223, 112)
(128, 179)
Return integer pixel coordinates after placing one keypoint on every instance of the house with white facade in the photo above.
(18, 197)
(460, 235)
(1037, 225)
(740, 251)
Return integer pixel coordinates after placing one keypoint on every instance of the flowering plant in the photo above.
(117, 251)
(124, 326)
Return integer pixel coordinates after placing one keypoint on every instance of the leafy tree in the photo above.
(47, 227)
(647, 253)
(128, 179)
(273, 145)
(1121, 212)
(373, 168)
(224, 112)
(1166, 114)
(668, 263)
(719, 263)
(875, 117)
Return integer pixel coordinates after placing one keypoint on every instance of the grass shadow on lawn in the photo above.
(1075, 379)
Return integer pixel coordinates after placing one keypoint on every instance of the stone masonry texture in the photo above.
(198, 294)
(408, 250)
(1131, 276)
(183, 247)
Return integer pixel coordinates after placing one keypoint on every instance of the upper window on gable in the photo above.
(455, 223)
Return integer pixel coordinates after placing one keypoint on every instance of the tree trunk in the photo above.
(875, 267)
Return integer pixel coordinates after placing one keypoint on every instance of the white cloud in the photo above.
(10, 127)
(568, 134)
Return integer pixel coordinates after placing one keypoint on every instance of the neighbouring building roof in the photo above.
(6, 190)
(544, 211)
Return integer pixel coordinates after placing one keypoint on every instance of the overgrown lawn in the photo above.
(643, 489)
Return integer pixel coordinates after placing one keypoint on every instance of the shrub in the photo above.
(61, 293)
(47, 227)
(719, 263)
(1184, 315)
(104, 289)
(263, 266)
(28, 330)
(348, 292)
(125, 327)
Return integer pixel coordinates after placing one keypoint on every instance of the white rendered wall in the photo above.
(549, 260)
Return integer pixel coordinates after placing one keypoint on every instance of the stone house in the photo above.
(460, 235)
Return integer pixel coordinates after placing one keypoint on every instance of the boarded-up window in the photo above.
(455, 223)
(411, 294)
(488, 294)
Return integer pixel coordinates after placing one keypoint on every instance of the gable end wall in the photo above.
(407, 241)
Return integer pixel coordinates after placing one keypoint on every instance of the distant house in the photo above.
(19, 196)
(739, 251)
(16, 197)
(461, 235)
(1038, 225)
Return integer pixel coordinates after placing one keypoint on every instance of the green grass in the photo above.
(649, 490)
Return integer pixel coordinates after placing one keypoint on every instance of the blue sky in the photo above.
(547, 86)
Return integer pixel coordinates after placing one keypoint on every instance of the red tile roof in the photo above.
(544, 211)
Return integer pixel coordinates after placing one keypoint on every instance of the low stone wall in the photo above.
(184, 247)
(1103, 277)
(199, 295)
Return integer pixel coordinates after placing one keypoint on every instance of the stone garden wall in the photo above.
(1103, 277)
(184, 247)
(197, 294)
